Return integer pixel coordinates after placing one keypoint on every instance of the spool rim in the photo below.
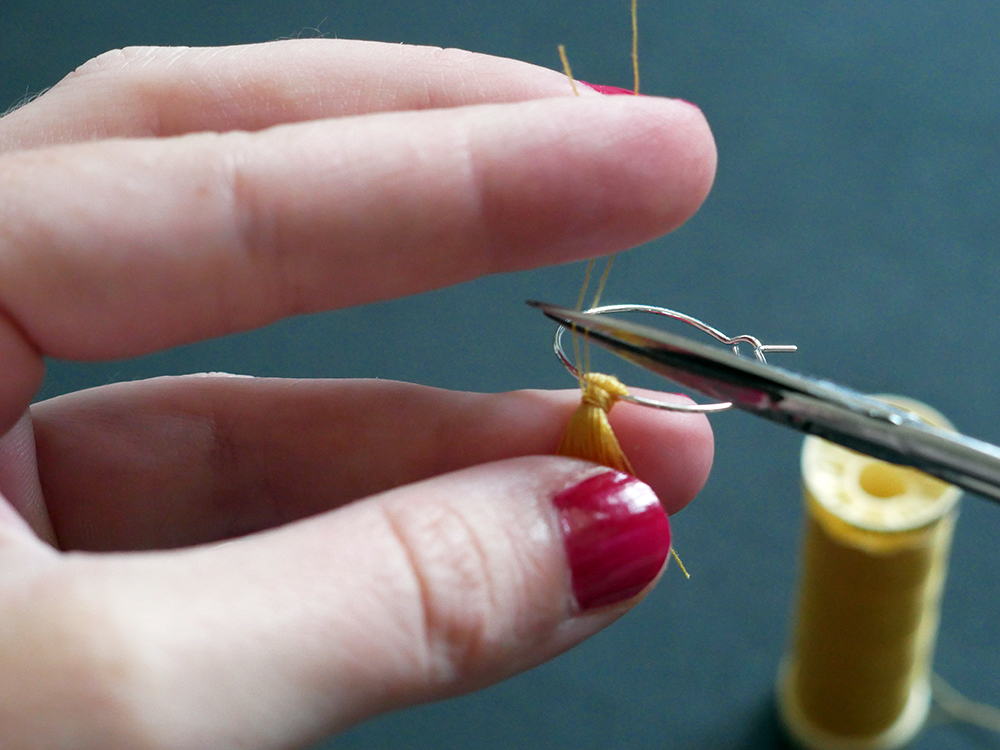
(854, 488)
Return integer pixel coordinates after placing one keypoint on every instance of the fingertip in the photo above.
(596, 175)
(681, 145)
(671, 451)
(645, 165)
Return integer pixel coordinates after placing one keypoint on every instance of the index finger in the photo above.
(163, 91)
(117, 248)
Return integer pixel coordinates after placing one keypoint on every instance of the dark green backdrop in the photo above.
(855, 213)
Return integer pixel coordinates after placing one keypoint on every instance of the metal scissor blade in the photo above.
(806, 404)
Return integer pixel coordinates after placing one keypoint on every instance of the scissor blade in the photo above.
(715, 372)
(819, 407)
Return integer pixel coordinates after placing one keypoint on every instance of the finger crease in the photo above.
(255, 237)
(457, 592)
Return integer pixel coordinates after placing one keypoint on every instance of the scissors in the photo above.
(810, 405)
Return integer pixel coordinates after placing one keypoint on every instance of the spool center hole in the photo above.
(882, 480)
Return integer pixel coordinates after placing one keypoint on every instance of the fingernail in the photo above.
(608, 90)
(617, 537)
(619, 91)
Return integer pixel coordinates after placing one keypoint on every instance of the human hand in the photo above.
(212, 561)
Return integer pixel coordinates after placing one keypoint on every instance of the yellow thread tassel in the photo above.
(588, 435)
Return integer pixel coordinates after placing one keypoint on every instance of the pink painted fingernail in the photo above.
(619, 91)
(608, 90)
(617, 537)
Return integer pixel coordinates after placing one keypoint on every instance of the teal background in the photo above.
(855, 213)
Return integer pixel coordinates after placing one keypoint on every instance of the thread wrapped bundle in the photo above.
(589, 436)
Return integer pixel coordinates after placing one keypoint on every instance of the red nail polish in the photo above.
(608, 90)
(617, 537)
(618, 91)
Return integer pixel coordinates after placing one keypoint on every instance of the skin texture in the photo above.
(213, 561)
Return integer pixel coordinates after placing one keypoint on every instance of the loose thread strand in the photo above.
(597, 299)
(581, 369)
(959, 708)
(603, 282)
(635, 45)
(588, 435)
(566, 68)
(678, 559)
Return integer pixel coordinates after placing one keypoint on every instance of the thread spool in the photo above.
(874, 559)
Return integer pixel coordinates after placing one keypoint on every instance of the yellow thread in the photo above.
(603, 282)
(959, 708)
(678, 559)
(873, 567)
(635, 46)
(586, 283)
(598, 394)
(597, 298)
(582, 367)
(588, 435)
(566, 69)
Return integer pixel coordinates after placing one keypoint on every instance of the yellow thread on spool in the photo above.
(875, 555)
(588, 435)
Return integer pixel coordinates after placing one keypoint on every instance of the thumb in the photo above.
(425, 591)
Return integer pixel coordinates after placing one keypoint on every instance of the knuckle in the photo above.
(458, 592)
(135, 80)
(261, 258)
